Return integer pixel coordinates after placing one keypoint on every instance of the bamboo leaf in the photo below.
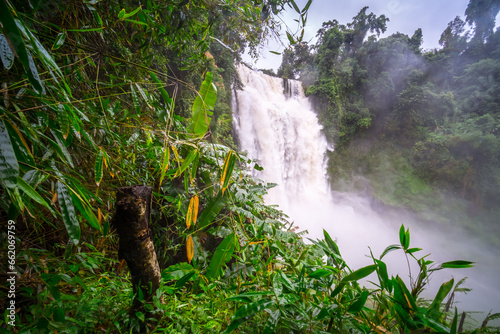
(389, 249)
(135, 100)
(331, 244)
(306, 7)
(360, 273)
(227, 169)
(202, 106)
(443, 291)
(9, 167)
(189, 249)
(295, 6)
(383, 276)
(137, 22)
(19, 144)
(98, 169)
(6, 53)
(122, 15)
(222, 254)
(61, 37)
(32, 193)
(61, 149)
(165, 159)
(359, 303)
(196, 204)
(272, 321)
(68, 212)
(159, 84)
(13, 34)
(247, 311)
(320, 273)
(211, 210)
(189, 159)
(457, 264)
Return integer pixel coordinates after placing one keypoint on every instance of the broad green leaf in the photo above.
(202, 106)
(290, 38)
(360, 273)
(222, 254)
(211, 210)
(443, 291)
(68, 212)
(17, 41)
(98, 169)
(227, 169)
(6, 53)
(61, 37)
(389, 249)
(276, 53)
(9, 167)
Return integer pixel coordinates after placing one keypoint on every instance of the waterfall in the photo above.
(276, 126)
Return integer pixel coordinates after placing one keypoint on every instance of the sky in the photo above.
(405, 16)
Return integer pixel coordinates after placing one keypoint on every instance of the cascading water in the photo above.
(277, 126)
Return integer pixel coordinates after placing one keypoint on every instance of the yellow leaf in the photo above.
(195, 208)
(99, 216)
(189, 249)
(192, 213)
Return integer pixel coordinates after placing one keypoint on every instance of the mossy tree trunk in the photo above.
(131, 220)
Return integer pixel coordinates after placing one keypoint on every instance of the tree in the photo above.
(482, 14)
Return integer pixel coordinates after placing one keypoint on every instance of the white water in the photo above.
(283, 134)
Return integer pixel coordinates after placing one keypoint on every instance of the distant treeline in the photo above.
(441, 107)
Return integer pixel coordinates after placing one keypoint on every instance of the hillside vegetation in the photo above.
(422, 126)
(100, 95)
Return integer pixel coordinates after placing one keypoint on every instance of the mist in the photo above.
(283, 135)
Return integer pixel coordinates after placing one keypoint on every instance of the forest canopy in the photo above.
(99, 96)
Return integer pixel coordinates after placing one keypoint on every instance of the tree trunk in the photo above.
(131, 220)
